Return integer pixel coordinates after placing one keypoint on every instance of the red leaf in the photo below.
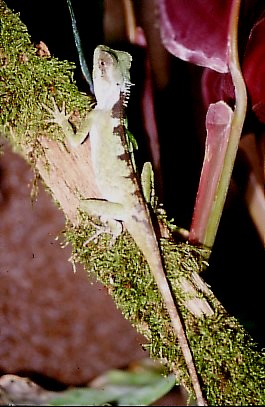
(217, 86)
(196, 31)
(254, 69)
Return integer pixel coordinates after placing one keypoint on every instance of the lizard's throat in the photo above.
(107, 95)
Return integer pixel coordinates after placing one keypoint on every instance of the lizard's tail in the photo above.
(145, 238)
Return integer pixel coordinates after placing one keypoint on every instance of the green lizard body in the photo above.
(122, 199)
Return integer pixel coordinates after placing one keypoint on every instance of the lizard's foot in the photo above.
(109, 214)
(58, 116)
(111, 227)
(95, 235)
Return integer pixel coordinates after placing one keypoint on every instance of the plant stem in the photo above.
(236, 127)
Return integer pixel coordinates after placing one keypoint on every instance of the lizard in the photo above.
(122, 203)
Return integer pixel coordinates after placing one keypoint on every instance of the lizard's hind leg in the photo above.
(108, 213)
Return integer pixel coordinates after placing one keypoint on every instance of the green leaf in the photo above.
(146, 395)
(123, 388)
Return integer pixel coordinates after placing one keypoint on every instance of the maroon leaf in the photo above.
(254, 69)
(217, 86)
(196, 31)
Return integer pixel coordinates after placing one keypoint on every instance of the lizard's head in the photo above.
(111, 75)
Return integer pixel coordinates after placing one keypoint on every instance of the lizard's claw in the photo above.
(108, 228)
(58, 116)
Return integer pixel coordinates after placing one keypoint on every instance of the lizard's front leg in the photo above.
(62, 119)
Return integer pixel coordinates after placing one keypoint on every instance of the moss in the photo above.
(229, 364)
(27, 80)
